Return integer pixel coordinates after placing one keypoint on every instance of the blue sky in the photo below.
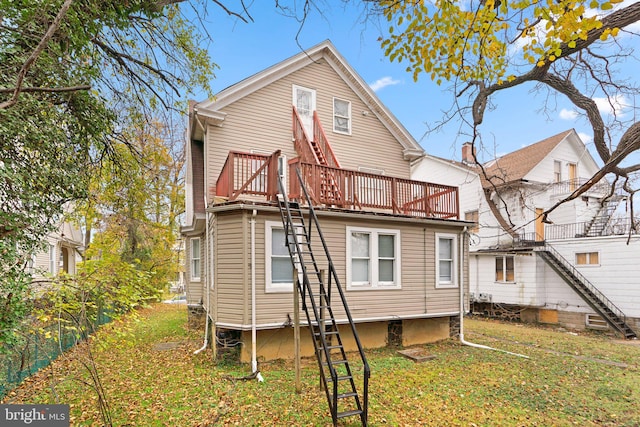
(242, 49)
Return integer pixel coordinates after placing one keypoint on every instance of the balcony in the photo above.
(599, 189)
(617, 227)
(254, 177)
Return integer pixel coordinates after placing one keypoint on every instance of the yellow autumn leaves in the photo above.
(449, 41)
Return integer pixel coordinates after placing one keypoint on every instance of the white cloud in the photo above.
(383, 82)
(568, 114)
(586, 138)
(612, 105)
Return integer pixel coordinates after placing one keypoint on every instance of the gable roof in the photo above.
(210, 109)
(517, 164)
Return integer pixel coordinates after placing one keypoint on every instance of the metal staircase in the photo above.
(336, 374)
(598, 225)
(587, 291)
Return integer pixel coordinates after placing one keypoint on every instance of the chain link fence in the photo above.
(37, 348)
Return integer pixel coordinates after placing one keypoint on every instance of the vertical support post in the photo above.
(296, 329)
(321, 324)
(213, 332)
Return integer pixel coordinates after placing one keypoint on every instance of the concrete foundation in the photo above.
(274, 344)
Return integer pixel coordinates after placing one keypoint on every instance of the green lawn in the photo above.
(569, 379)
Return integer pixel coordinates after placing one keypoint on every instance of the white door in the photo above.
(305, 102)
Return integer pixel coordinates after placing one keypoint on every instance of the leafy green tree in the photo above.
(70, 70)
(136, 198)
(573, 48)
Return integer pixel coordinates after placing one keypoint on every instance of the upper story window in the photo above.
(373, 258)
(195, 258)
(505, 269)
(557, 171)
(472, 216)
(341, 116)
(587, 258)
(446, 262)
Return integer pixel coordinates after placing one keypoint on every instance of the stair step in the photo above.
(337, 362)
(349, 413)
(340, 378)
(332, 347)
(346, 395)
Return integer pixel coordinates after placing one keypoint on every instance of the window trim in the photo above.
(374, 257)
(504, 268)
(588, 259)
(557, 172)
(52, 259)
(349, 117)
(453, 283)
(269, 287)
(192, 270)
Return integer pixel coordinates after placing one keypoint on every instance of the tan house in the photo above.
(396, 245)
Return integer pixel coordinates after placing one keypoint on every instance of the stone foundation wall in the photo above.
(195, 316)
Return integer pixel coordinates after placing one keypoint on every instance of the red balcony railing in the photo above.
(256, 175)
(246, 173)
(349, 189)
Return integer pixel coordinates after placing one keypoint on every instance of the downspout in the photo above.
(461, 286)
(254, 360)
(207, 279)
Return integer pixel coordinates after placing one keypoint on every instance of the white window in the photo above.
(587, 258)
(505, 269)
(195, 259)
(31, 264)
(52, 259)
(341, 116)
(446, 262)
(557, 171)
(373, 258)
(278, 268)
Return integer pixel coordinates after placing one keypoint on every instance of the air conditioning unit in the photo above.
(482, 297)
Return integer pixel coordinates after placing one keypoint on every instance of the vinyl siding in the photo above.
(417, 296)
(262, 121)
(231, 267)
(614, 276)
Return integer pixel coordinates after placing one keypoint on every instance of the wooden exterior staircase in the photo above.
(336, 373)
(587, 291)
(317, 150)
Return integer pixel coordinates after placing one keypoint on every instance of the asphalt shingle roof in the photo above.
(517, 164)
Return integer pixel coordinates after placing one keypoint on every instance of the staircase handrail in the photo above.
(590, 286)
(323, 142)
(301, 140)
(333, 274)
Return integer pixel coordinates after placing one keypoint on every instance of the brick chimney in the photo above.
(467, 154)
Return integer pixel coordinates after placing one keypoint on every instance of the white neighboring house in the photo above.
(60, 255)
(580, 271)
